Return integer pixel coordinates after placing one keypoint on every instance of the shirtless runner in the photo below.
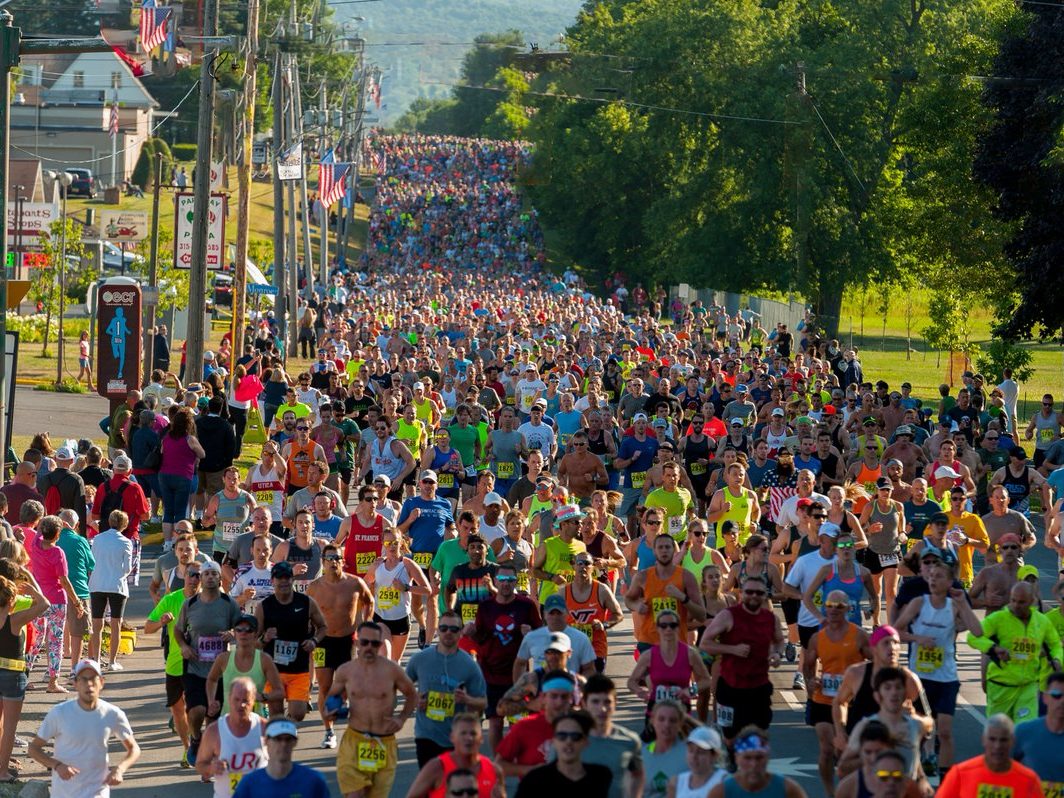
(993, 583)
(345, 601)
(368, 754)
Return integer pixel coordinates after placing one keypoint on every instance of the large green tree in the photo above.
(1022, 159)
(717, 168)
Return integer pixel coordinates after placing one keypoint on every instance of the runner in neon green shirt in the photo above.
(674, 501)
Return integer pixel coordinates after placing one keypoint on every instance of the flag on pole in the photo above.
(112, 126)
(152, 25)
(380, 160)
(331, 179)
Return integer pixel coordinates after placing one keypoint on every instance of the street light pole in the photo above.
(65, 180)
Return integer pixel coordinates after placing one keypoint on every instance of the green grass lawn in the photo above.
(883, 352)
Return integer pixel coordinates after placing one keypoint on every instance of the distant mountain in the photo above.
(439, 33)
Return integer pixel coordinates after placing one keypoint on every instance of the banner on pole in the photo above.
(290, 163)
(185, 211)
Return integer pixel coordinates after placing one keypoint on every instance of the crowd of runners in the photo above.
(483, 471)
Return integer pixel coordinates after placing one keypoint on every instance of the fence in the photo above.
(770, 311)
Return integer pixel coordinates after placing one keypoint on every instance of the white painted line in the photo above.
(978, 713)
(791, 699)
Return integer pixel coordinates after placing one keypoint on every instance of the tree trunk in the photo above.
(47, 329)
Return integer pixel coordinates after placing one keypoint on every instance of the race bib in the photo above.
(698, 469)
(319, 657)
(372, 756)
(993, 791)
(446, 480)
(440, 706)
(524, 583)
(387, 597)
(234, 780)
(660, 604)
(1053, 789)
(563, 439)
(230, 529)
(505, 470)
(423, 558)
(663, 692)
(725, 716)
(637, 479)
(469, 613)
(526, 402)
(208, 647)
(888, 560)
(363, 560)
(929, 658)
(264, 497)
(1023, 649)
(285, 651)
(829, 683)
(676, 525)
(300, 585)
(689, 413)
(1047, 435)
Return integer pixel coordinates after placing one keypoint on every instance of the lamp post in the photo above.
(65, 179)
(16, 262)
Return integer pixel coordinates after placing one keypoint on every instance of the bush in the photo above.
(31, 328)
(68, 385)
(1001, 354)
(164, 148)
(142, 172)
(184, 152)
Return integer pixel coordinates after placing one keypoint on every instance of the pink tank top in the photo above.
(670, 681)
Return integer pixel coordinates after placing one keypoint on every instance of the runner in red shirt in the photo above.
(528, 742)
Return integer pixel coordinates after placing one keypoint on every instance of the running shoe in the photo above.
(183, 764)
(117, 666)
(799, 681)
(193, 749)
(791, 652)
(329, 741)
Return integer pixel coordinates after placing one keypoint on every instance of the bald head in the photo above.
(1021, 597)
(69, 518)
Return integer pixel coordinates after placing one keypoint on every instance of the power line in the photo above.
(838, 146)
(124, 149)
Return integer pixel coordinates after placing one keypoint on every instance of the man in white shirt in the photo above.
(1010, 392)
(80, 730)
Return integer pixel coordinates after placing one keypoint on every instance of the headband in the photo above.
(750, 743)
(557, 684)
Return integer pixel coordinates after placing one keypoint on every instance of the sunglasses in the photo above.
(370, 498)
(956, 498)
(582, 563)
(668, 625)
(1009, 547)
(470, 791)
(1055, 693)
(652, 523)
(698, 533)
(243, 630)
(374, 643)
(332, 558)
(819, 517)
(192, 575)
(755, 592)
(848, 545)
(892, 775)
(570, 737)
(506, 578)
(302, 429)
(446, 627)
(836, 605)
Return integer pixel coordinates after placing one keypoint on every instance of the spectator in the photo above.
(21, 488)
(113, 555)
(180, 451)
(69, 488)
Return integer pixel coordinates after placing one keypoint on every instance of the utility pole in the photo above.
(243, 179)
(297, 122)
(293, 272)
(281, 305)
(197, 282)
(323, 222)
(153, 268)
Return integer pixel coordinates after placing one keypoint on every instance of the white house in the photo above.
(62, 110)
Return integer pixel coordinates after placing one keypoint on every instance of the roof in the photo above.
(25, 172)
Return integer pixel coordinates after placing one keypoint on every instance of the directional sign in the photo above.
(185, 210)
(128, 226)
(255, 288)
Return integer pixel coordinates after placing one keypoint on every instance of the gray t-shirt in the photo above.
(630, 405)
(620, 751)
(437, 676)
(659, 768)
(167, 562)
(203, 623)
(240, 549)
(304, 498)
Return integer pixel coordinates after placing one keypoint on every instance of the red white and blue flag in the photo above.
(112, 125)
(331, 179)
(152, 25)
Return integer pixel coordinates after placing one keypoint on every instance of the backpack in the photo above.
(112, 500)
(53, 500)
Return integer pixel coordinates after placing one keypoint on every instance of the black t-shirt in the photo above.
(650, 407)
(470, 589)
(967, 420)
(546, 780)
(356, 408)
(498, 636)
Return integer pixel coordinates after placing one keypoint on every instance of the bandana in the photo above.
(557, 684)
(750, 742)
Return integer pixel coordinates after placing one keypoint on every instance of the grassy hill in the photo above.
(419, 43)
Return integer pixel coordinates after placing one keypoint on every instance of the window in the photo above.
(79, 80)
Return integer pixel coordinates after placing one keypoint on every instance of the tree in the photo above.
(798, 145)
(44, 285)
(1021, 158)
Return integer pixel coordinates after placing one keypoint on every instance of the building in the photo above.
(62, 111)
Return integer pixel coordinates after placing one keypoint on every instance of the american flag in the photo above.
(331, 179)
(152, 25)
(112, 126)
(381, 162)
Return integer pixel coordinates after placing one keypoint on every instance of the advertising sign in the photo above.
(130, 226)
(118, 337)
(36, 219)
(185, 205)
(290, 163)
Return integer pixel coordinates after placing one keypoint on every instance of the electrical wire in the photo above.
(107, 157)
(838, 146)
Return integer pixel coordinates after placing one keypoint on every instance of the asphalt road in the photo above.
(139, 689)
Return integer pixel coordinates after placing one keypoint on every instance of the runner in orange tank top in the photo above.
(662, 586)
(596, 611)
(838, 645)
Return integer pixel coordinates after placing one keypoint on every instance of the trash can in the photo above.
(112, 195)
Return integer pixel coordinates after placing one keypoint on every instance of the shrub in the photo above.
(142, 172)
(1001, 354)
(184, 152)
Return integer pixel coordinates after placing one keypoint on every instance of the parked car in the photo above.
(223, 290)
(115, 259)
(84, 183)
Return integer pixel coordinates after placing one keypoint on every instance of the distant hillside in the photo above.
(429, 70)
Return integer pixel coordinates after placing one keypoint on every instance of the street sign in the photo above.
(185, 210)
(149, 295)
(255, 288)
(36, 219)
(127, 226)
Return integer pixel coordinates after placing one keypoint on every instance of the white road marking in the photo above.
(976, 712)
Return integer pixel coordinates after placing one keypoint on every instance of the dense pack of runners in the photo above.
(489, 483)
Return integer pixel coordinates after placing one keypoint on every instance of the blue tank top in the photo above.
(852, 587)
(776, 788)
(644, 555)
(439, 460)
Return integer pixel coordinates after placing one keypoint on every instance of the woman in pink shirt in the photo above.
(49, 567)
